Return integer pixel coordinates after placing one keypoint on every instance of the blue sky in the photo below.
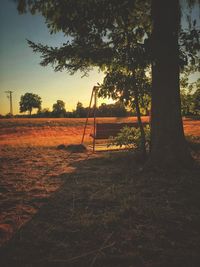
(20, 71)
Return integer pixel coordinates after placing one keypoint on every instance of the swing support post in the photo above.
(86, 122)
(95, 107)
(93, 95)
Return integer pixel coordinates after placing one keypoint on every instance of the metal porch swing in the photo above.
(102, 130)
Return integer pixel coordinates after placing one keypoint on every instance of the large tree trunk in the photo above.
(168, 142)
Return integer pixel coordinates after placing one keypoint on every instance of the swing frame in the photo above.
(103, 130)
(93, 96)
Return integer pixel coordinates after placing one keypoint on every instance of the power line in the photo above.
(9, 95)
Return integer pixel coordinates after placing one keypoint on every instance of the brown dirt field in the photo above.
(31, 167)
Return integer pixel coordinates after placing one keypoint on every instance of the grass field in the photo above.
(52, 132)
(87, 209)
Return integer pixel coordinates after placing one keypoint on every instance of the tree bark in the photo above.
(168, 145)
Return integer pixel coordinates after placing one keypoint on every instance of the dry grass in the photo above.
(52, 132)
(107, 213)
(91, 209)
(47, 132)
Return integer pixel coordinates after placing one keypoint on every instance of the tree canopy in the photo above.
(126, 37)
(29, 101)
(59, 109)
(102, 33)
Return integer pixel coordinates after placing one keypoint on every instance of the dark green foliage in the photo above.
(117, 109)
(44, 113)
(80, 111)
(189, 48)
(121, 86)
(98, 31)
(59, 109)
(190, 99)
(30, 101)
(112, 110)
(196, 101)
(103, 33)
(130, 138)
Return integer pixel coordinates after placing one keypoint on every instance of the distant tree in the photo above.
(104, 111)
(45, 113)
(117, 109)
(59, 109)
(9, 115)
(196, 101)
(190, 97)
(69, 114)
(80, 111)
(196, 97)
(186, 102)
(30, 101)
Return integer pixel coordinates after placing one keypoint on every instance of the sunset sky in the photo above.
(20, 71)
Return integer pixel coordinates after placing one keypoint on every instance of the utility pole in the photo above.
(9, 95)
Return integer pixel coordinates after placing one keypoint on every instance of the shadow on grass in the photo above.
(109, 213)
(194, 143)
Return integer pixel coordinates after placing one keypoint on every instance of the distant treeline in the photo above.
(190, 106)
(104, 110)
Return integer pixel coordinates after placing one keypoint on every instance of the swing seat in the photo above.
(106, 130)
